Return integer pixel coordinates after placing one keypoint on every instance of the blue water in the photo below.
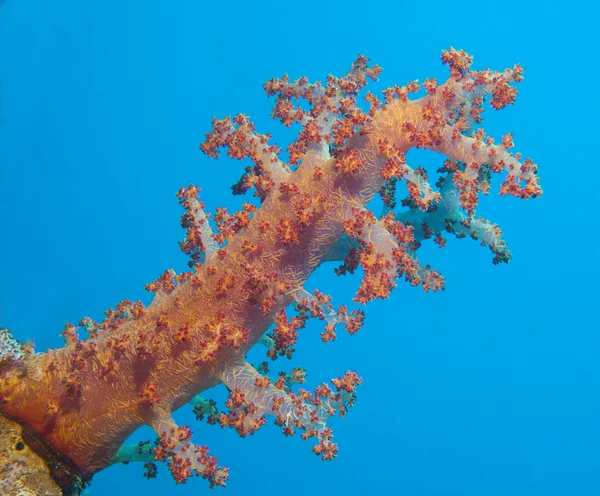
(488, 388)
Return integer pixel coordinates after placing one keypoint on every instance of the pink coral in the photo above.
(140, 364)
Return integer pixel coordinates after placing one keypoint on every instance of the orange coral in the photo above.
(144, 361)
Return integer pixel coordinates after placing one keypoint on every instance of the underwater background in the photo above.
(490, 387)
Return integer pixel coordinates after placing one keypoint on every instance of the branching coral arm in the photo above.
(253, 397)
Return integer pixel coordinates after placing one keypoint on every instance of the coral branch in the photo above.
(241, 141)
(184, 458)
(254, 396)
(333, 115)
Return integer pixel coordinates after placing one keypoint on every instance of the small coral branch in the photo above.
(253, 396)
(199, 242)
(333, 114)
(318, 305)
(145, 451)
(450, 111)
(241, 141)
(384, 255)
(184, 458)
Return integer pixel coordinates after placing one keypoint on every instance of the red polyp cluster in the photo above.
(148, 394)
(325, 449)
(347, 382)
(186, 459)
(459, 62)
(230, 224)
(520, 187)
(242, 416)
(285, 334)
